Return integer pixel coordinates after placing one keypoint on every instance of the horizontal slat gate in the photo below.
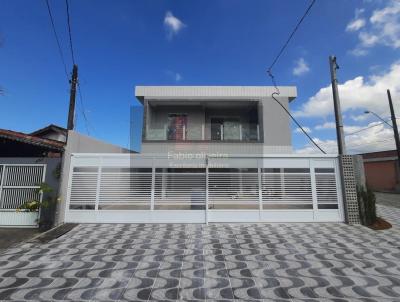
(19, 184)
(292, 189)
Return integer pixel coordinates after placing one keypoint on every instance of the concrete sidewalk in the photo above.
(388, 199)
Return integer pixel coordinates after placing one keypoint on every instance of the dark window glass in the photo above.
(85, 169)
(126, 170)
(233, 170)
(327, 206)
(296, 170)
(180, 170)
(81, 206)
(324, 170)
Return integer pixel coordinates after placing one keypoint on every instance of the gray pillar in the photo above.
(349, 189)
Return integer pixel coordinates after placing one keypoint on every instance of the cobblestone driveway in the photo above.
(282, 262)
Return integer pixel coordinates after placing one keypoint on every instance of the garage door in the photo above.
(125, 188)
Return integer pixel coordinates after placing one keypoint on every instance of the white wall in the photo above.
(79, 143)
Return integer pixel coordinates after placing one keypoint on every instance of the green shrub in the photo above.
(367, 205)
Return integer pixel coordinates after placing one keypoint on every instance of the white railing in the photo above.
(272, 188)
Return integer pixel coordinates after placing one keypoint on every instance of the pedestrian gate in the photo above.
(134, 188)
(19, 184)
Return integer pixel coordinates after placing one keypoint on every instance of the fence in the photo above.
(137, 188)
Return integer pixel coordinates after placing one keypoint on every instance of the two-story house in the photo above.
(223, 119)
(208, 153)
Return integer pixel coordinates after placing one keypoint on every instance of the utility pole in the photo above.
(395, 130)
(71, 111)
(336, 102)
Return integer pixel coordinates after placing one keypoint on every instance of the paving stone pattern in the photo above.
(153, 262)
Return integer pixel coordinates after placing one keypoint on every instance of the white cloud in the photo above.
(176, 76)
(358, 22)
(376, 138)
(359, 118)
(359, 52)
(383, 28)
(172, 24)
(356, 94)
(332, 125)
(355, 24)
(327, 125)
(301, 67)
(368, 39)
(306, 129)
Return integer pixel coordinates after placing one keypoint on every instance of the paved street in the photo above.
(282, 262)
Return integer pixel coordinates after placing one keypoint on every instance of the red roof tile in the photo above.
(31, 139)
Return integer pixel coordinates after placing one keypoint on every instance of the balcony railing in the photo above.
(249, 133)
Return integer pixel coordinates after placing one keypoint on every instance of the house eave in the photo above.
(212, 92)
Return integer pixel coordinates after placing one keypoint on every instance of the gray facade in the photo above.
(263, 126)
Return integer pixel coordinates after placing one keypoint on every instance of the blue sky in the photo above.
(120, 44)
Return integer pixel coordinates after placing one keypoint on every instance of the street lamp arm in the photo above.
(369, 111)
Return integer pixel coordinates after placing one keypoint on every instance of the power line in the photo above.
(291, 35)
(69, 33)
(366, 128)
(269, 71)
(82, 107)
(297, 123)
(57, 40)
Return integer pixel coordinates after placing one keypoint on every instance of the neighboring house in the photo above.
(53, 132)
(226, 119)
(26, 161)
(218, 154)
(382, 170)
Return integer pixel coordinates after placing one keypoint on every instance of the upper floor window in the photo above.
(225, 129)
(177, 127)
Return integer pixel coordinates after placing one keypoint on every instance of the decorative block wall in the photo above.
(349, 189)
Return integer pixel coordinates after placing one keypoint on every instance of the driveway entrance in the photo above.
(140, 262)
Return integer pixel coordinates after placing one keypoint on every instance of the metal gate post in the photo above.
(2, 184)
(313, 189)
(153, 186)
(260, 205)
(96, 207)
(206, 212)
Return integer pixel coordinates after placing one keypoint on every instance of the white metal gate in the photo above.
(125, 188)
(19, 184)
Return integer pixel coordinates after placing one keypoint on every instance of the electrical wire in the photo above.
(269, 71)
(57, 39)
(366, 128)
(83, 109)
(291, 35)
(297, 123)
(73, 61)
(69, 33)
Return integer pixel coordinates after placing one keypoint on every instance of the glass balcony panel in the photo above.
(231, 130)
